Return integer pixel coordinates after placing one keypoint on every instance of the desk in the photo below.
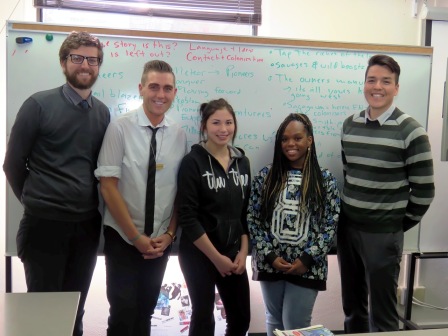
(426, 332)
(407, 318)
(38, 314)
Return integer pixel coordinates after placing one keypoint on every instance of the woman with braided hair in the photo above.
(292, 216)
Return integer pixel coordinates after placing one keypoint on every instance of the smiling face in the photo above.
(295, 143)
(220, 128)
(158, 92)
(380, 89)
(81, 76)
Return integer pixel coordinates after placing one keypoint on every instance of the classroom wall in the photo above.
(363, 21)
(367, 21)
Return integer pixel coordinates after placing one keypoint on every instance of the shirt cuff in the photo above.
(108, 171)
(270, 258)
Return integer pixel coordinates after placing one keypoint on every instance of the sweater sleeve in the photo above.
(260, 236)
(23, 135)
(189, 195)
(322, 239)
(344, 160)
(420, 171)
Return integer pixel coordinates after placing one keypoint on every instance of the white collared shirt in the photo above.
(125, 155)
(383, 117)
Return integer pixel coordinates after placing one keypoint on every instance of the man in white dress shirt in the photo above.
(135, 261)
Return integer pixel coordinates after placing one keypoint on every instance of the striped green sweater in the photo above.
(388, 173)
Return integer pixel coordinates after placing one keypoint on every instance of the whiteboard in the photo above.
(263, 79)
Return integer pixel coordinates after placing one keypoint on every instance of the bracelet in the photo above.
(135, 238)
(172, 236)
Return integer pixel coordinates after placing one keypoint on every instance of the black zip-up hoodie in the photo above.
(212, 201)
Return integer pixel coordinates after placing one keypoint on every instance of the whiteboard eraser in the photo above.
(22, 40)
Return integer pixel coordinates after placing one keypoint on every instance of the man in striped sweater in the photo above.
(388, 187)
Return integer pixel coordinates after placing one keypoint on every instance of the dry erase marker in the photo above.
(22, 40)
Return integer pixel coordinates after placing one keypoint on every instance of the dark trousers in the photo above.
(133, 286)
(59, 256)
(369, 265)
(201, 277)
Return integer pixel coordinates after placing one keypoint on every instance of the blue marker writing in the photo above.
(22, 40)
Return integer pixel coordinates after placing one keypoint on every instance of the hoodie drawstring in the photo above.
(215, 185)
(239, 179)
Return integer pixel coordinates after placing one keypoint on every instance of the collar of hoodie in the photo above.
(235, 154)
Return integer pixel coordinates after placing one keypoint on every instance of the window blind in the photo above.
(230, 11)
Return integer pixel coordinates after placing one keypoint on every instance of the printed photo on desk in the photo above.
(316, 330)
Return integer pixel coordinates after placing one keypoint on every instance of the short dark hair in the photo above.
(78, 39)
(386, 61)
(157, 66)
(206, 110)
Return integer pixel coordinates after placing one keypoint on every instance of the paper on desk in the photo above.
(316, 330)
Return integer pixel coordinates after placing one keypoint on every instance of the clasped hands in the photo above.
(226, 266)
(152, 248)
(296, 268)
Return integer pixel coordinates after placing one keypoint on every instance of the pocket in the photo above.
(24, 233)
(399, 241)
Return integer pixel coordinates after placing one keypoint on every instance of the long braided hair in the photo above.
(312, 188)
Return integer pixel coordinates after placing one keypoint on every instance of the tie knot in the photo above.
(154, 129)
(84, 104)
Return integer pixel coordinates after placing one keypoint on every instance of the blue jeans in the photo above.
(288, 306)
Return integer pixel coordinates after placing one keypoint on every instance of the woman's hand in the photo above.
(298, 268)
(224, 265)
(240, 261)
(281, 264)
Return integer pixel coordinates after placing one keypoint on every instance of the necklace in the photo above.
(223, 156)
(224, 152)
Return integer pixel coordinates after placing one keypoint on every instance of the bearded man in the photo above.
(50, 159)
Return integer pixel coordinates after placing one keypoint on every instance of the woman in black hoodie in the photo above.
(214, 185)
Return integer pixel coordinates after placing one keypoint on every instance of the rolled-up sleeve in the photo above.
(112, 153)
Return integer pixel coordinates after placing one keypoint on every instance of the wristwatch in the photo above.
(172, 235)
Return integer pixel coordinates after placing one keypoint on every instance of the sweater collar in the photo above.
(383, 117)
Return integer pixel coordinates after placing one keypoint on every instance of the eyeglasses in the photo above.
(79, 59)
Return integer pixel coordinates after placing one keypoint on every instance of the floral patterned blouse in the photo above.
(291, 234)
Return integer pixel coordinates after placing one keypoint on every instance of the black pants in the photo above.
(133, 286)
(201, 277)
(59, 256)
(369, 265)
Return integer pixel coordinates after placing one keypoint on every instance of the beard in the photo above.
(81, 85)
